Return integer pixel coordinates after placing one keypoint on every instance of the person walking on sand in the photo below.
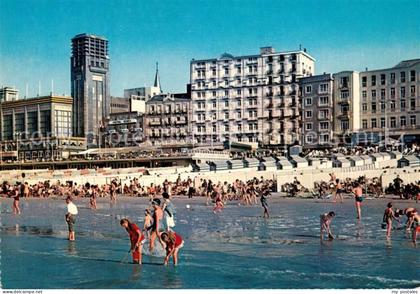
(325, 221)
(136, 239)
(358, 197)
(71, 217)
(387, 219)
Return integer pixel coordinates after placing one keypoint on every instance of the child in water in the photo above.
(173, 242)
(136, 239)
(218, 206)
(326, 220)
(387, 219)
(148, 220)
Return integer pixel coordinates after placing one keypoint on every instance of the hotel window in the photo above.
(324, 125)
(214, 93)
(239, 70)
(214, 83)
(240, 127)
(364, 81)
(323, 100)
(239, 103)
(382, 79)
(392, 93)
(392, 105)
(308, 114)
(324, 113)
(344, 95)
(382, 94)
(403, 121)
(226, 83)
(412, 91)
(344, 125)
(364, 95)
(413, 104)
(226, 103)
(308, 89)
(32, 124)
(226, 71)
(393, 122)
(412, 76)
(308, 101)
(226, 115)
(309, 138)
(402, 77)
(382, 122)
(383, 106)
(373, 81)
(239, 92)
(364, 107)
(226, 128)
(402, 105)
(214, 128)
(239, 115)
(214, 116)
(364, 124)
(214, 104)
(373, 107)
(413, 120)
(323, 88)
(402, 92)
(373, 94)
(373, 123)
(392, 78)
(308, 126)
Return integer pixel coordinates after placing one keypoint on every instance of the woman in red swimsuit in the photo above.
(136, 239)
(173, 243)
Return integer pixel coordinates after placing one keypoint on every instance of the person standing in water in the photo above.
(148, 221)
(326, 220)
(168, 211)
(71, 217)
(416, 229)
(136, 239)
(157, 226)
(15, 193)
(263, 198)
(388, 217)
(358, 197)
(338, 191)
(173, 243)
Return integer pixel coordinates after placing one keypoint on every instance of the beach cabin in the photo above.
(298, 161)
(366, 159)
(355, 161)
(326, 163)
(409, 160)
(385, 155)
(251, 163)
(269, 162)
(314, 161)
(283, 163)
(341, 162)
(235, 164)
(220, 165)
(377, 157)
(395, 155)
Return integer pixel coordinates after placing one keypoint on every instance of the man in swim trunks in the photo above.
(325, 221)
(264, 193)
(358, 197)
(136, 239)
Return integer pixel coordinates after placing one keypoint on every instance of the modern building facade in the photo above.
(38, 127)
(124, 105)
(167, 119)
(124, 129)
(89, 86)
(390, 103)
(8, 94)
(316, 93)
(346, 106)
(248, 98)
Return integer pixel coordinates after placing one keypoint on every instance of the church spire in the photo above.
(157, 78)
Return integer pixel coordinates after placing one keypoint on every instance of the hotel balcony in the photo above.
(155, 123)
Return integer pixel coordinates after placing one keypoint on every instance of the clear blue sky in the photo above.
(342, 35)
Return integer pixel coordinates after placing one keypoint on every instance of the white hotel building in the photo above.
(251, 99)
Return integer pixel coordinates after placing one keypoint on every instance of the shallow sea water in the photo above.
(236, 248)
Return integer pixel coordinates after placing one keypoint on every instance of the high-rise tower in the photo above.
(89, 86)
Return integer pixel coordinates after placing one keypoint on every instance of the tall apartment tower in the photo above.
(89, 86)
(250, 98)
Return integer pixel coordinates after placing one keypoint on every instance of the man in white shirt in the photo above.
(71, 217)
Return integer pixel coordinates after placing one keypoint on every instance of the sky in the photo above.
(341, 35)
